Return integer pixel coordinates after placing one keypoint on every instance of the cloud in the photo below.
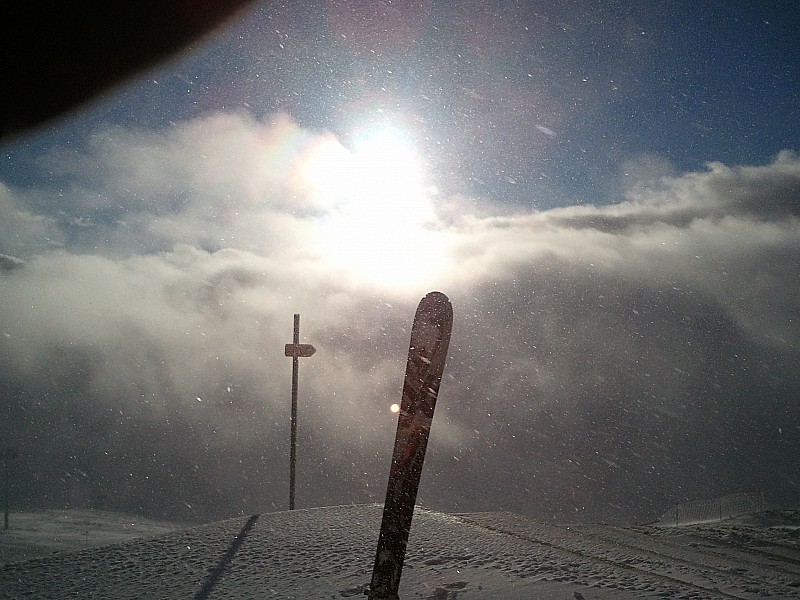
(22, 231)
(606, 360)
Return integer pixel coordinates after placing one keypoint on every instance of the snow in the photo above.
(39, 533)
(328, 553)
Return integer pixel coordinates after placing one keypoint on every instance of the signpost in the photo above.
(296, 350)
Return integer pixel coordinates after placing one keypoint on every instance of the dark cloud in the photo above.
(605, 362)
(768, 193)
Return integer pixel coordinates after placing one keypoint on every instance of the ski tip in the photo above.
(437, 306)
(435, 298)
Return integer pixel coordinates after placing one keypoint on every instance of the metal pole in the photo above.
(293, 449)
(296, 350)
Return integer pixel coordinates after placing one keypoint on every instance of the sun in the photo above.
(380, 224)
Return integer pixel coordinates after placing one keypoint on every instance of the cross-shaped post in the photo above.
(296, 350)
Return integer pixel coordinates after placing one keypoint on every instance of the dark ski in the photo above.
(430, 338)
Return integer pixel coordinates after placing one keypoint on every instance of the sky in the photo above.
(608, 194)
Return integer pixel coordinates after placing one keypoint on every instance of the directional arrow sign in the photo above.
(299, 350)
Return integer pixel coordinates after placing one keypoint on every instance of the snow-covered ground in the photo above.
(43, 532)
(328, 553)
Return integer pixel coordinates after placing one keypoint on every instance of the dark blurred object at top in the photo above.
(57, 55)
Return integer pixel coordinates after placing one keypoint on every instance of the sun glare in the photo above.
(379, 224)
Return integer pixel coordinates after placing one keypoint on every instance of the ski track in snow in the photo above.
(328, 553)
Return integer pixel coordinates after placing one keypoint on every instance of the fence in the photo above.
(717, 509)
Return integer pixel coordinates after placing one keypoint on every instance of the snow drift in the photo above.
(328, 553)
